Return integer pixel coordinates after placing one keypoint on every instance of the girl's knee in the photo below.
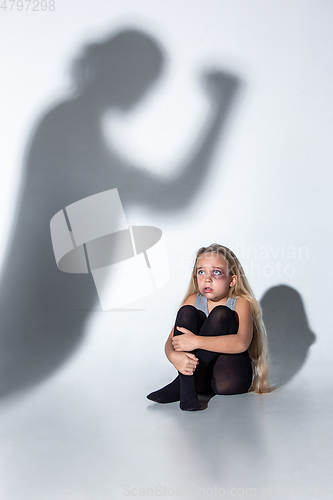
(223, 314)
(186, 312)
(222, 311)
(222, 321)
(187, 308)
(190, 317)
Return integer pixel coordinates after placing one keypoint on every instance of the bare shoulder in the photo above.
(190, 301)
(243, 305)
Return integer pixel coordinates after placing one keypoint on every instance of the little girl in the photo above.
(218, 344)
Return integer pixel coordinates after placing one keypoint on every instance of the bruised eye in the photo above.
(217, 272)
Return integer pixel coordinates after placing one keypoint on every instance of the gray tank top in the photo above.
(201, 303)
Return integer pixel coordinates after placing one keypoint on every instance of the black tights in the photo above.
(216, 373)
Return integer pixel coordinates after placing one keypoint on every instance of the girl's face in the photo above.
(214, 277)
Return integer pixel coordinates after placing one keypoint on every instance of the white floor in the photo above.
(88, 432)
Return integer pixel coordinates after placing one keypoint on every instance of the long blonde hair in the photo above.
(241, 288)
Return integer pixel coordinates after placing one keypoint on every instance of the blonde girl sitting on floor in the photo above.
(218, 344)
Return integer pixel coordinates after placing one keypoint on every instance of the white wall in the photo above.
(270, 181)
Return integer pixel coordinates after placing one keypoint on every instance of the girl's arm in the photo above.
(184, 362)
(227, 344)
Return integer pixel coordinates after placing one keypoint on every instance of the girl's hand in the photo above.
(184, 362)
(186, 342)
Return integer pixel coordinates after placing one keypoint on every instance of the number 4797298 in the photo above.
(19, 5)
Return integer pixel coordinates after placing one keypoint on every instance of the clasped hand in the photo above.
(186, 342)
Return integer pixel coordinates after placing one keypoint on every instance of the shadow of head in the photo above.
(288, 333)
(120, 70)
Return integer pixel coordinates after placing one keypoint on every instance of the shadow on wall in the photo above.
(43, 311)
(289, 336)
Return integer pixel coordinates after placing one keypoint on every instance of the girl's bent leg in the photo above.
(231, 373)
(191, 318)
(183, 387)
(221, 321)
